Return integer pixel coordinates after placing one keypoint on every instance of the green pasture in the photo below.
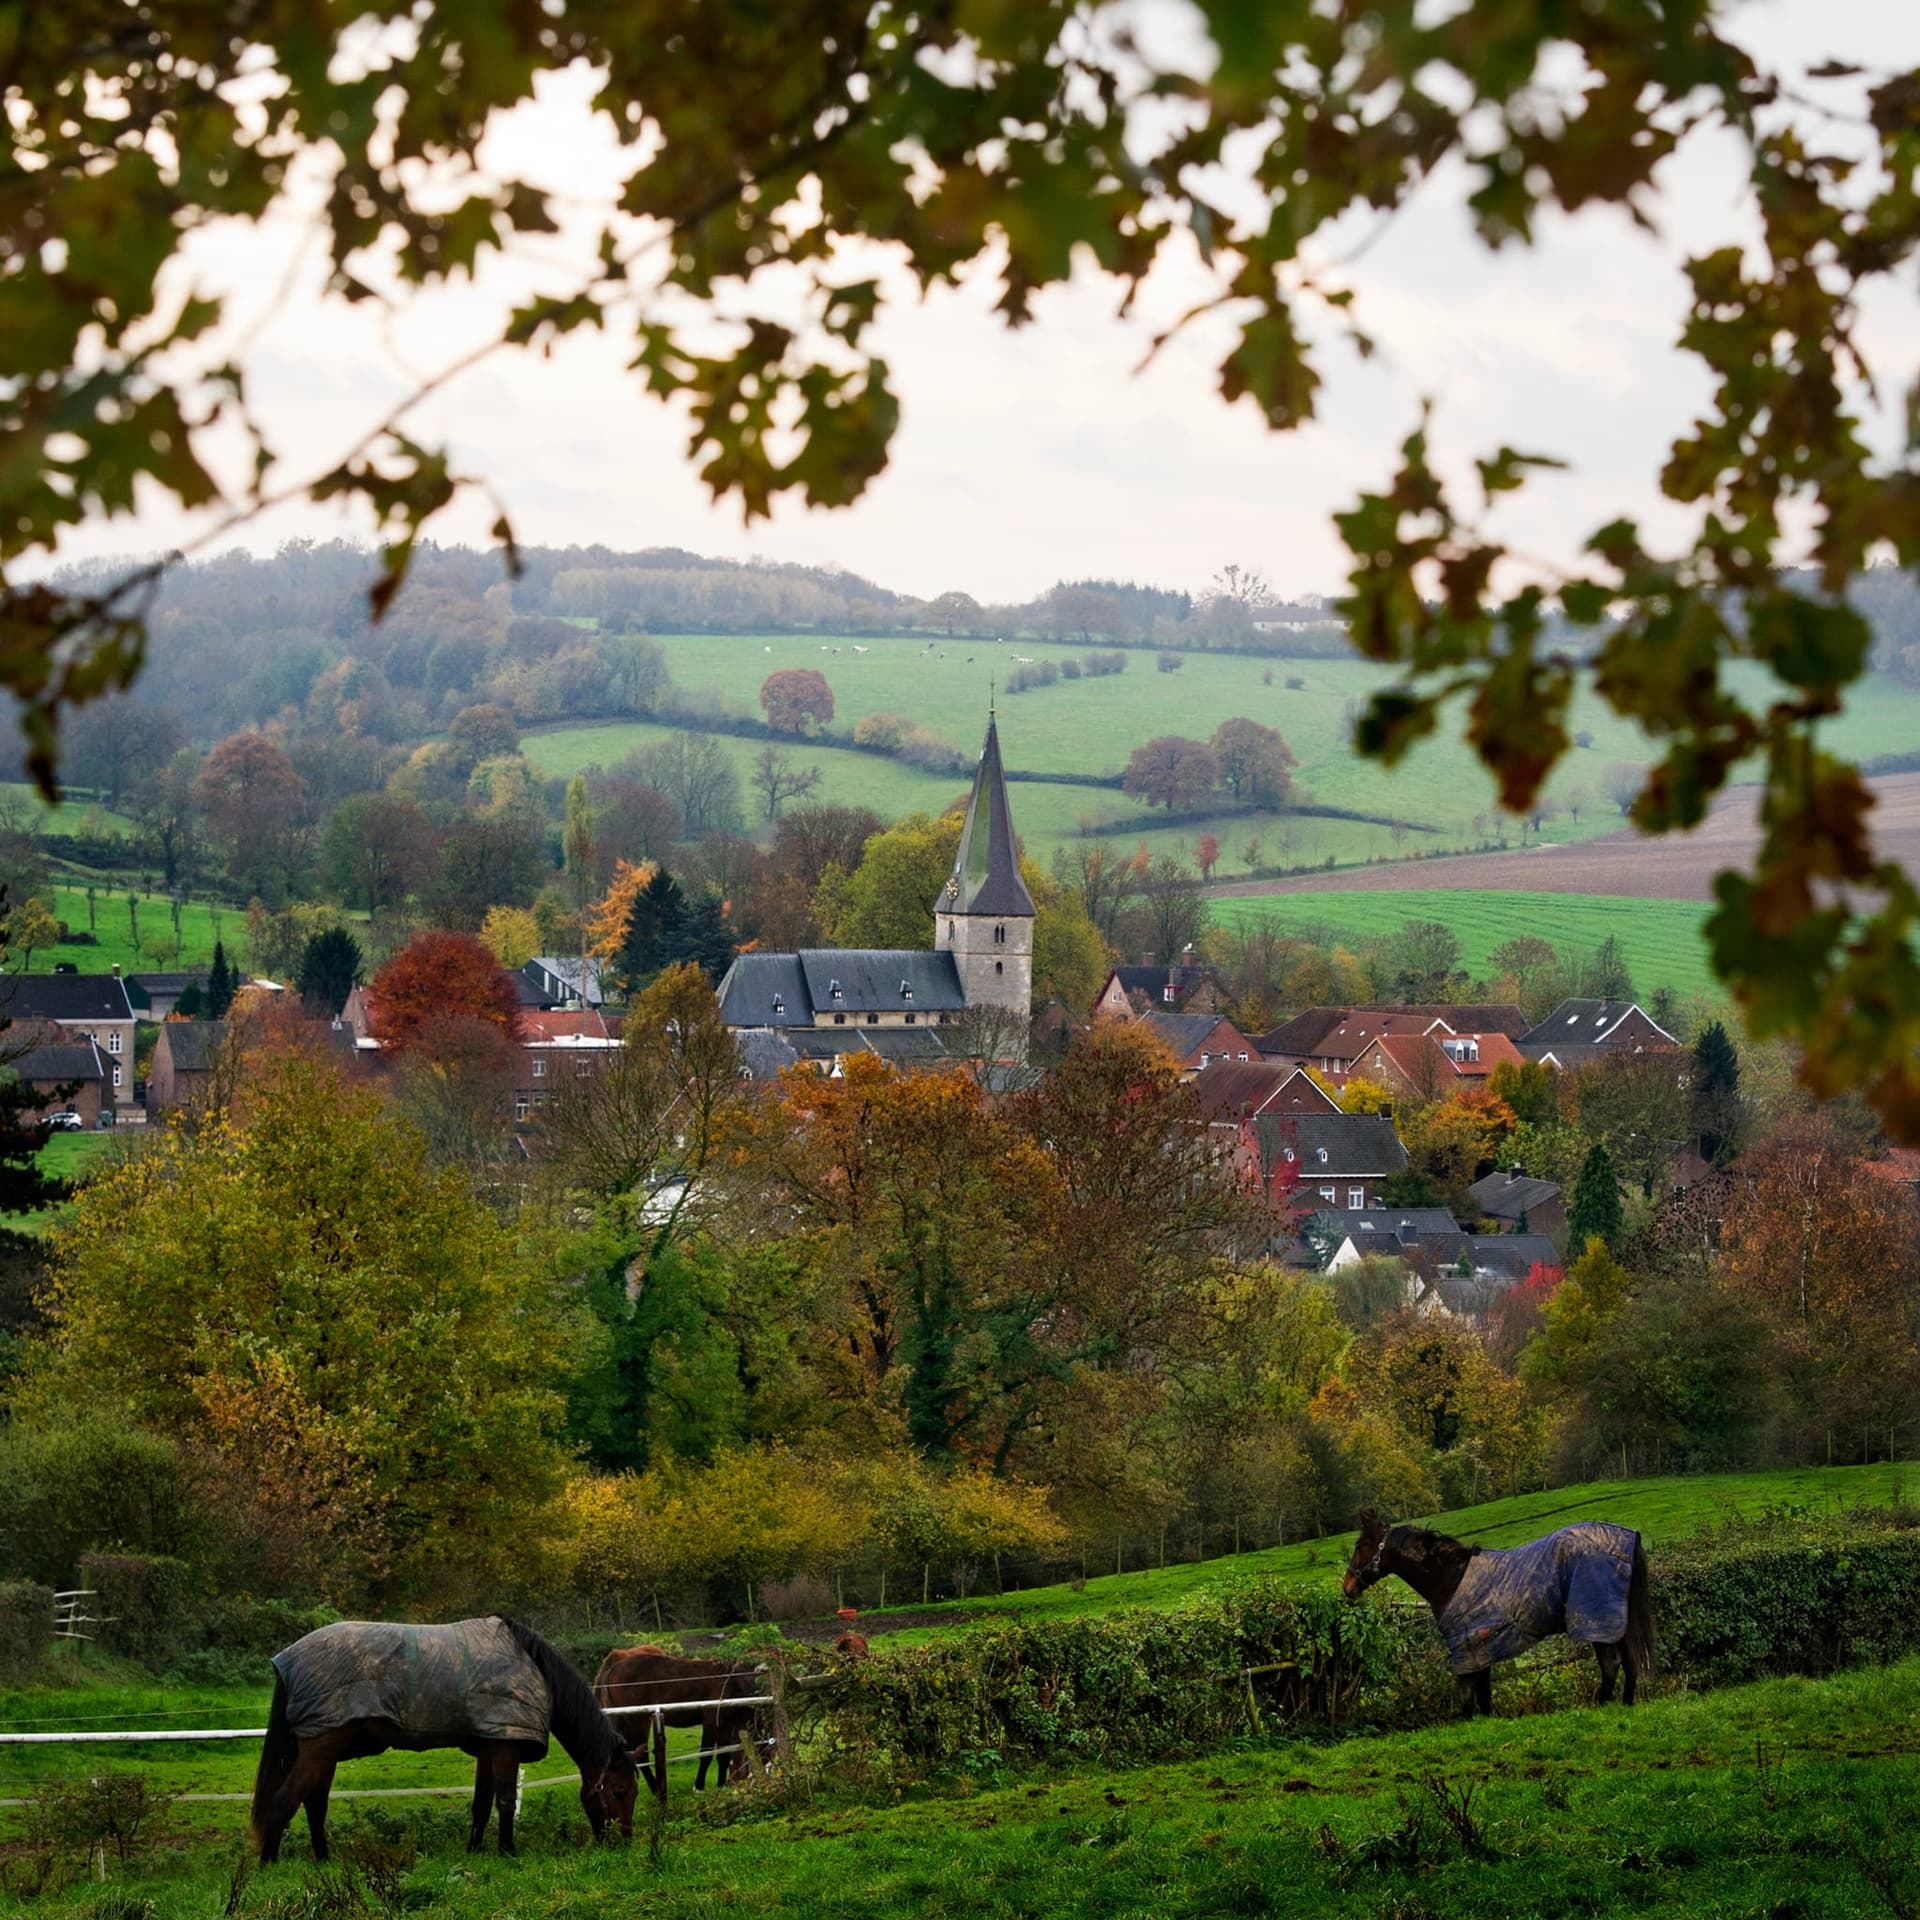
(68, 1156)
(1091, 725)
(1663, 1509)
(1661, 939)
(142, 939)
(1786, 1798)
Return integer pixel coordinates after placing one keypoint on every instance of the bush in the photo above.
(1169, 663)
(1097, 665)
(26, 1626)
(1296, 683)
(97, 1482)
(1788, 1593)
(141, 1602)
(1122, 1687)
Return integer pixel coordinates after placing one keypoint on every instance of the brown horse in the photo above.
(1588, 1581)
(649, 1676)
(296, 1769)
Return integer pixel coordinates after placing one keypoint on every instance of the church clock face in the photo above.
(953, 887)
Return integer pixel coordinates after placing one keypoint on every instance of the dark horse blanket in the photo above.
(1573, 1582)
(441, 1686)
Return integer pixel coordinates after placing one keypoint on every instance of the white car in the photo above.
(66, 1121)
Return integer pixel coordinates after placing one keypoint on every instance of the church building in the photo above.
(824, 1001)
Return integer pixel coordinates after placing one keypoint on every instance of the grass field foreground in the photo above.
(1660, 939)
(1787, 1798)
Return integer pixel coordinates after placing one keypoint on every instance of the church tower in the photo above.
(984, 916)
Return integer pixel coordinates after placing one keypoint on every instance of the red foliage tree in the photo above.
(437, 981)
(1519, 1316)
(1206, 855)
(796, 699)
(1171, 772)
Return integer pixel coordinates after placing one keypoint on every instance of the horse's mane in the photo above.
(590, 1738)
(1425, 1548)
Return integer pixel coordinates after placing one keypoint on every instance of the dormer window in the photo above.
(1323, 1156)
(833, 990)
(906, 990)
(779, 1003)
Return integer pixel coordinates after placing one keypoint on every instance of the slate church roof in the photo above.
(986, 872)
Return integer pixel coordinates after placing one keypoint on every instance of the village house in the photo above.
(551, 982)
(1200, 1040)
(1231, 1095)
(1187, 986)
(68, 1070)
(185, 1054)
(1434, 1064)
(1309, 1160)
(555, 1048)
(1519, 1203)
(153, 996)
(1331, 1039)
(1579, 1031)
(85, 1006)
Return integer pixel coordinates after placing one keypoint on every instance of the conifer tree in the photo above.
(1716, 1092)
(222, 983)
(1596, 1212)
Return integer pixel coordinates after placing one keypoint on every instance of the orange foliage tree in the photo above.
(437, 980)
(606, 922)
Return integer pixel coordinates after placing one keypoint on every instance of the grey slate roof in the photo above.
(904, 1046)
(763, 1055)
(986, 872)
(141, 987)
(1583, 1022)
(555, 977)
(1514, 1255)
(64, 996)
(880, 980)
(193, 1044)
(765, 990)
(1410, 1223)
(1506, 1196)
(1184, 1031)
(58, 1061)
(1355, 1143)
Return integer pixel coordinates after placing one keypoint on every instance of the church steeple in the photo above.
(986, 874)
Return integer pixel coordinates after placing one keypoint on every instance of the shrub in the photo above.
(1121, 1687)
(1169, 663)
(1097, 665)
(141, 1602)
(1296, 683)
(67, 1488)
(883, 730)
(26, 1626)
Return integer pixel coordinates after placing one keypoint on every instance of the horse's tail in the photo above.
(1640, 1612)
(277, 1754)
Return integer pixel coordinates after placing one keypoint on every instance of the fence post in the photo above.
(782, 1747)
(660, 1757)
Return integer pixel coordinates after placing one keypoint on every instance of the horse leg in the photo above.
(1483, 1692)
(506, 1793)
(287, 1799)
(1608, 1654)
(709, 1739)
(482, 1803)
(316, 1806)
(1630, 1662)
(1465, 1693)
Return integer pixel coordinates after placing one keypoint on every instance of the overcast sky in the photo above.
(1027, 457)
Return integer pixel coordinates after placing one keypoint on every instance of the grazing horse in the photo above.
(491, 1687)
(649, 1676)
(1588, 1581)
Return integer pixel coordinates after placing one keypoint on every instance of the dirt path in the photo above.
(1679, 867)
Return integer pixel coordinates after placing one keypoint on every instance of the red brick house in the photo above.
(1331, 1039)
(1201, 1040)
(1430, 1066)
(557, 1046)
(69, 1069)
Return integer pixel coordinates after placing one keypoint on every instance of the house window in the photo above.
(910, 1019)
(1289, 1154)
(873, 1019)
(1326, 1194)
(999, 936)
(1356, 1198)
(113, 1041)
(999, 966)
(520, 1105)
(1206, 1059)
(539, 1067)
(839, 1019)
(116, 1079)
(1323, 1156)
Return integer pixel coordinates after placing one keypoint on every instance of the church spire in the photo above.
(986, 874)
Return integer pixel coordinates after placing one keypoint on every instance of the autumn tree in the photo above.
(796, 700)
(1255, 763)
(1206, 855)
(1171, 772)
(437, 980)
(511, 935)
(346, 1331)
(253, 801)
(607, 923)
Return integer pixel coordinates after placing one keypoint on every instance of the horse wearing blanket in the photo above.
(491, 1687)
(1588, 1581)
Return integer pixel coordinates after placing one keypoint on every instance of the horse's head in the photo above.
(1369, 1556)
(608, 1793)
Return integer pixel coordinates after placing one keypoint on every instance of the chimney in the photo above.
(1146, 959)
(116, 969)
(1516, 1171)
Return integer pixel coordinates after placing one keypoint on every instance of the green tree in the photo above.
(223, 982)
(654, 925)
(1716, 1092)
(1596, 1212)
(347, 1332)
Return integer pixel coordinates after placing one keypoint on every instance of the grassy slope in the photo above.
(113, 929)
(1662, 1509)
(69, 1156)
(1787, 1798)
(1661, 938)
